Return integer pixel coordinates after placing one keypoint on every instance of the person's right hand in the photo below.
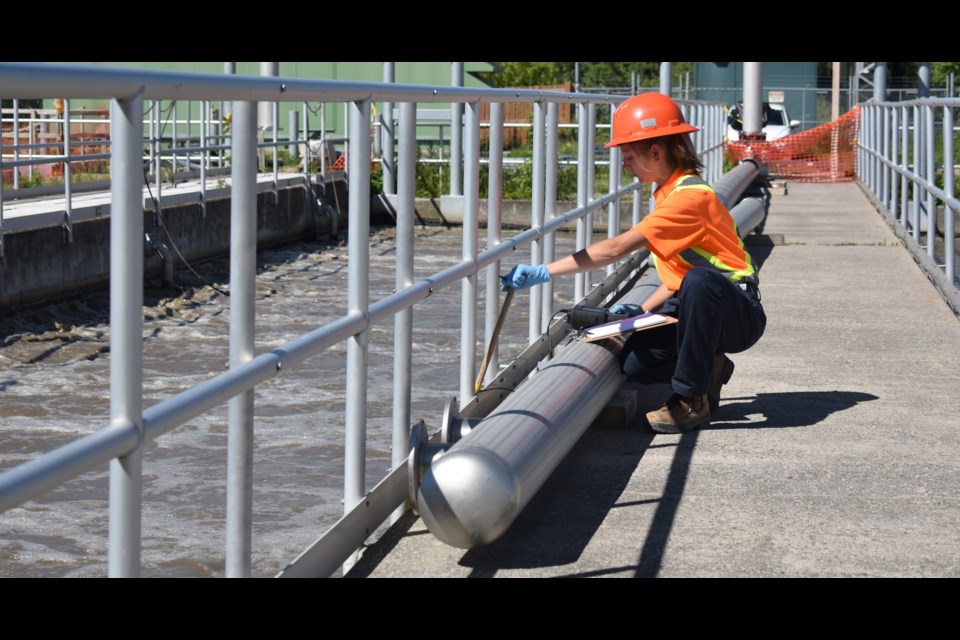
(524, 276)
(629, 309)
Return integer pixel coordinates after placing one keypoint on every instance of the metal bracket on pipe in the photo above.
(422, 454)
(454, 426)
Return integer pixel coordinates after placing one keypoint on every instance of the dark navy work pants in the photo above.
(713, 315)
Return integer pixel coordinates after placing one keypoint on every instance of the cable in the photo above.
(156, 205)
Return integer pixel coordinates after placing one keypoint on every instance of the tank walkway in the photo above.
(834, 452)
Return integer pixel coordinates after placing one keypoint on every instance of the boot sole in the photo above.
(674, 429)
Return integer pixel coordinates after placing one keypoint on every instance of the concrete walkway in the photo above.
(834, 452)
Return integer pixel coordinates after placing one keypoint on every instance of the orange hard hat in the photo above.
(647, 115)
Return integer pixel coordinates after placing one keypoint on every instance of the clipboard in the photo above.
(648, 320)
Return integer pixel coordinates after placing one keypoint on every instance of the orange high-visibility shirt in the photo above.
(689, 227)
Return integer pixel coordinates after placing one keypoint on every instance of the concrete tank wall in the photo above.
(39, 265)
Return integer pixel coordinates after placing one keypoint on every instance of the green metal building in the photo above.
(419, 73)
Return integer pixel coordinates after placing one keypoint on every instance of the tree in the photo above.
(592, 74)
(940, 71)
(529, 74)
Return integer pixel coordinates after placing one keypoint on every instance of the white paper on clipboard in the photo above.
(636, 323)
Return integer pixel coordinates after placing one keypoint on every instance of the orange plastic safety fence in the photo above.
(827, 153)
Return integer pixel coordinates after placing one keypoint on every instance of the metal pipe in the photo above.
(126, 333)
(752, 98)
(243, 265)
(403, 321)
(666, 78)
(536, 215)
(166, 258)
(494, 234)
(923, 80)
(471, 494)
(265, 108)
(471, 221)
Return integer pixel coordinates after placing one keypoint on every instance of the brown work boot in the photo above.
(722, 370)
(680, 414)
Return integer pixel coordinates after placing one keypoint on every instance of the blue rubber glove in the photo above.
(524, 276)
(629, 309)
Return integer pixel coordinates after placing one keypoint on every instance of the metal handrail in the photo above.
(898, 144)
(131, 425)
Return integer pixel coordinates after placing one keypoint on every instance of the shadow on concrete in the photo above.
(793, 409)
(559, 522)
(561, 519)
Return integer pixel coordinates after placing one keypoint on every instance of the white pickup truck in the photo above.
(776, 122)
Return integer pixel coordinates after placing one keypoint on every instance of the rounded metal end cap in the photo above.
(469, 497)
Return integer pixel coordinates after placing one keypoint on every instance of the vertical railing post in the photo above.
(305, 128)
(894, 160)
(243, 264)
(550, 206)
(915, 173)
(591, 183)
(613, 209)
(949, 230)
(536, 215)
(204, 154)
(293, 123)
(67, 172)
(276, 151)
(875, 147)
(636, 211)
(358, 288)
(126, 331)
(387, 136)
(471, 197)
(884, 154)
(456, 133)
(175, 141)
(494, 235)
(930, 149)
(16, 143)
(323, 138)
(583, 139)
(403, 321)
(904, 164)
(157, 155)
